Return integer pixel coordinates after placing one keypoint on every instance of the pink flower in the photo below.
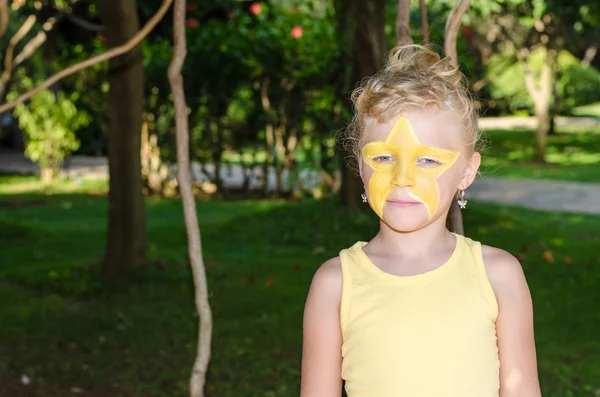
(297, 32)
(192, 23)
(191, 7)
(255, 8)
(102, 37)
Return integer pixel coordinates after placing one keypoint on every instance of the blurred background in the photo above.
(96, 292)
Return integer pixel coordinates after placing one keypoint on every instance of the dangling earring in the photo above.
(364, 197)
(461, 201)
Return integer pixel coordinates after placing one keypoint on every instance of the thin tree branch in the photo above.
(589, 56)
(264, 97)
(30, 48)
(3, 17)
(9, 55)
(479, 84)
(424, 21)
(451, 31)
(22, 32)
(112, 53)
(198, 376)
(84, 24)
(403, 23)
(78, 21)
(35, 43)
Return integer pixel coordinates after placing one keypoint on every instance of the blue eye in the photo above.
(384, 159)
(428, 162)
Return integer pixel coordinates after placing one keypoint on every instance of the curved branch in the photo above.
(451, 31)
(112, 53)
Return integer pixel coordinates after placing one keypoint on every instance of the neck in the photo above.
(415, 243)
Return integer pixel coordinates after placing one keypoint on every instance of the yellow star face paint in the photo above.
(402, 161)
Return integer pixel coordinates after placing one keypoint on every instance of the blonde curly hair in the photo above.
(414, 77)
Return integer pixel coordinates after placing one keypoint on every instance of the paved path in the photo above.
(531, 122)
(537, 194)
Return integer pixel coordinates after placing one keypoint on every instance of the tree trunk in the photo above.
(424, 21)
(368, 56)
(454, 222)
(543, 124)
(198, 376)
(264, 179)
(541, 99)
(291, 165)
(279, 155)
(451, 30)
(403, 23)
(126, 238)
(152, 166)
(371, 43)
(270, 160)
(555, 100)
(216, 152)
(46, 174)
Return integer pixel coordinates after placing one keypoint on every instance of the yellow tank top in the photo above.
(428, 335)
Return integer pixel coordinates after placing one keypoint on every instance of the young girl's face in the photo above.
(412, 166)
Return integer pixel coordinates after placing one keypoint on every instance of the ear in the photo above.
(470, 171)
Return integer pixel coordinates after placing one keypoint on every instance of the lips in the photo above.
(402, 203)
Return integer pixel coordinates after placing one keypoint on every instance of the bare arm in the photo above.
(322, 341)
(514, 326)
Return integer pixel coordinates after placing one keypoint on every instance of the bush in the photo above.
(49, 122)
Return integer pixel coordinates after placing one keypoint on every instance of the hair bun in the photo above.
(418, 58)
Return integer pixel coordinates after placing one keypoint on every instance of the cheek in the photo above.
(448, 183)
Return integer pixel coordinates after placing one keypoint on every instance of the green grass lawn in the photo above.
(66, 328)
(572, 155)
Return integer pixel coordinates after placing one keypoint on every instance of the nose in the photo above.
(404, 174)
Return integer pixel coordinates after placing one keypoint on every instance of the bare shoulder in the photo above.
(495, 257)
(503, 270)
(328, 278)
(325, 294)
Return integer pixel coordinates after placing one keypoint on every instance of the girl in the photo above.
(418, 311)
